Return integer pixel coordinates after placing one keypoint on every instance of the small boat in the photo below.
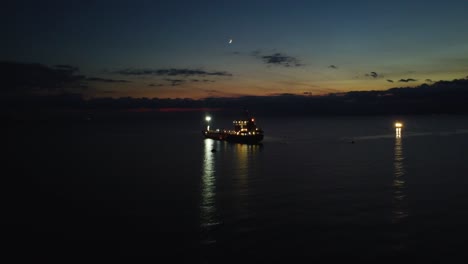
(245, 131)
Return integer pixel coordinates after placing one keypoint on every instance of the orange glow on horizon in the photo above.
(182, 109)
(260, 86)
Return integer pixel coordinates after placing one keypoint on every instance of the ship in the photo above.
(244, 131)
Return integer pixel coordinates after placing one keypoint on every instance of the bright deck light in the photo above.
(398, 125)
(208, 118)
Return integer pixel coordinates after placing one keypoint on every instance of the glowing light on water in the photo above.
(398, 132)
(208, 119)
(400, 206)
(208, 211)
(398, 126)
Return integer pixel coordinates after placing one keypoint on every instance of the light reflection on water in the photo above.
(219, 158)
(407, 134)
(245, 156)
(208, 214)
(400, 207)
(399, 183)
(244, 171)
(249, 194)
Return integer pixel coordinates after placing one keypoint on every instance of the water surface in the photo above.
(318, 187)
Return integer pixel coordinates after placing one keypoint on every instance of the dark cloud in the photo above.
(429, 81)
(333, 67)
(220, 94)
(211, 91)
(389, 80)
(372, 74)
(172, 72)
(407, 80)
(155, 85)
(64, 67)
(440, 97)
(34, 77)
(175, 82)
(281, 60)
(97, 79)
(286, 95)
(204, 80)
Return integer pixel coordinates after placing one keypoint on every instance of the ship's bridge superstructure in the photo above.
(245, 131)
(245, 125)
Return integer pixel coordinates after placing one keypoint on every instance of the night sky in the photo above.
(182, 49)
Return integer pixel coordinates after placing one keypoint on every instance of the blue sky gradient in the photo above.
(298, 47)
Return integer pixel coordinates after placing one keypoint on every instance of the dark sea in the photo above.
(325, 189)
